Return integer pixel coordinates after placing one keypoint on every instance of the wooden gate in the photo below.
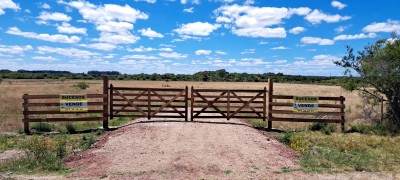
(148, 102)
(218, 103)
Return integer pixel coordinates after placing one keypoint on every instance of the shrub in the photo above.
(324, 127)
(82, 85)
(70, 128)
(42, 127)
(62, 79)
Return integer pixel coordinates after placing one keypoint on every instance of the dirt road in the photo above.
(192, 150)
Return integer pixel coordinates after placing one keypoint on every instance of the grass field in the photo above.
(11, 92)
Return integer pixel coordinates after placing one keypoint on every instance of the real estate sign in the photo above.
(302, 104)
(73, 103)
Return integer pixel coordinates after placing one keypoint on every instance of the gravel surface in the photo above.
(193, 150)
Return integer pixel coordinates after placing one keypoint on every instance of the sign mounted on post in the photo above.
(73, 103)
(302, 104)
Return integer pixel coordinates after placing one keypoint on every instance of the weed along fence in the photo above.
(305, 108)
(66, 107)
(174, 103)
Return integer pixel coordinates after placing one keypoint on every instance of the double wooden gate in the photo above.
(174, 103)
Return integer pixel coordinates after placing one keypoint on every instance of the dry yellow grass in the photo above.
(11, 95)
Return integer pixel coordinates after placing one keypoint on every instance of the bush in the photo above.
(82, 85)
(324, 127)
(62, 79)
(70, 128)
(42, 127)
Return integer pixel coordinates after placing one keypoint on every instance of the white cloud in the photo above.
(113, 21)
(338, 5)
(297, 30)
(44, 58)
(282, 61)
(8, 4)
(148, 1)
(252, 21)
(280, 48)
(150, 33)
(250, 62)
(100, 46)
(116, 27)
(172, 55)
(248, 2)
(197, 29)
(68, 29)
(14, 49)
(165, 49)
(118, 38)
(189, 10)
(141, 49)
(263, 43)
(389, 26)
(341, 29)
(68, 52)
(316, 17)
(45, 37)
(137, 56)
(220, 52)
(248, 51)
(202, 52)
(261, 32)
(46, 16)
(45, 6)
(317, 40)
(356, 36)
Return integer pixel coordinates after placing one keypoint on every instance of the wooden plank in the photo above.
(319, 105)
(203, 106)
(214, 96)
(133, 100)
(166, 101)
(162, 111)
(58, 104)
(233, 90)
(186, 103)
(254, 102)
(137, 94)
(291, 97)
(57, 96)
(191, 103)
(130, 103)
(308, 113)
(210, 104)
(153, 89)
(153, 105)
(248, 112)
(242, 101)
(342, 118)
(228, 105)
(26, 117)
(243, 117)
(59, 112)
(247, 103)
(305, 120)
(66, 119)
(105, 100)
(146, 100)
(124, 115)
(166, 104)
(265, 104)
(270, 100)
(111, 101)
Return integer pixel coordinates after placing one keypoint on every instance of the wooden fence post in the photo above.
(270, 94)
(148, 104)
(342, 118)
(265, 104)
(105, 101)
(111, 101)
(26, 116)
(186, 103)
(191, 103)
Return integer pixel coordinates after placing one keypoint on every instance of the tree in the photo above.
(378, 66)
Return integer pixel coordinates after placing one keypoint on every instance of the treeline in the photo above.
(218, 75)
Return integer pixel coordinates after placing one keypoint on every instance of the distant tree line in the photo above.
(206, 76)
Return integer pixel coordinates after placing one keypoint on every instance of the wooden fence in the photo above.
(223, 103)
(149, 102)
(174, 103)
(46, 108)
(331, 110)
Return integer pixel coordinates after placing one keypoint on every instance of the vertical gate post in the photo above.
(342, 99)
(229, 104)
(265, 104)
(26, 116)
(148, 104)
(270, 94)
(111, 101)
(105, 102)
(191, 103)
(186, 103)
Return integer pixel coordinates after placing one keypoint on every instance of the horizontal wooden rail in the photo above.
(56, 96)
(145, 89)
(319, 105)
(305, 120)
(64, 119)
(306, 113)
(320, 97)
(59, 112)
(30, 104)
(226, 90)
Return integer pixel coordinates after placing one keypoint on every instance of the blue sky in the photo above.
(299, 37)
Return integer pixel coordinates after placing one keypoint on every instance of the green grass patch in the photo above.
(341, 152)
(258, 123)
(44, 154)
